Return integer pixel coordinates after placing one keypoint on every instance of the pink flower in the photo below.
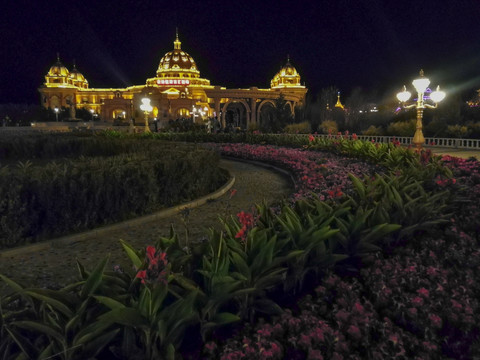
(423, 292)
(417, 301)
(315, 355)
(358, 308)
(354, 332)
(342, 316)
(456, 305)
(435, 320)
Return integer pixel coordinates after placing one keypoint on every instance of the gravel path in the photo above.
(56, 266)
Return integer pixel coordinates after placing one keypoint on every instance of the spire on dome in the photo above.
(339, 103)
(177, 44)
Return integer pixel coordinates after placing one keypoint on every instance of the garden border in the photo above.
(94, 233)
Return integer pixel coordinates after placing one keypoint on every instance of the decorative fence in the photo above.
(404, 140)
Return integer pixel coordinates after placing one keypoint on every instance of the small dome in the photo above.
(76, 75)
(286, 77)
(177, 60)
(58, 69)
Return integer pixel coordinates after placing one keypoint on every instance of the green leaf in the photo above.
(170, 355)
(56, 304)
(240, 264)
(15, 286)
(109, 302)
(23, 343)
(132, 254)
(124, 316)
(359, 186)
(95, 346)
(225, 318)
(94, 279)
(380, 231)
(41, 328)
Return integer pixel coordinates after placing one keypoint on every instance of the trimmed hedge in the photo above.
(40, 202)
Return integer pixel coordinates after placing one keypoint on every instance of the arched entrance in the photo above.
(235, 115)
(266, 115)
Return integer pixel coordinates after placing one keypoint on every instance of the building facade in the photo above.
(176, 91)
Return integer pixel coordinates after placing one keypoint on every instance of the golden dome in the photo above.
(286, 77)
(58, 69)
(177, 60)
(77, 78)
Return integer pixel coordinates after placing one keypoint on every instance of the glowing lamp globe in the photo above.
(437, 95)
(421, 83)
(404, 95)
(146, 105)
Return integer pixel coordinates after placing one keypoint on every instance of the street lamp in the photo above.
(56, 113)
(93, 112)
(146, 108)
(420, 85)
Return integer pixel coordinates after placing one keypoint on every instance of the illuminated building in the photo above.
(176, 91)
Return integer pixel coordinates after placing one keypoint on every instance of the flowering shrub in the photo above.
(322, 173)
(156, 271)
(337, 322)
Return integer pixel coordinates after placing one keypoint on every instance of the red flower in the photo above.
(241, 233)
(354, 136)
(311, 137)
(232, 193)
(151, 255)
(142, 274)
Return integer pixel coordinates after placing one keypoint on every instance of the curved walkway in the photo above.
(54, 266)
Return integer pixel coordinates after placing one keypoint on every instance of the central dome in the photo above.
(176, 61)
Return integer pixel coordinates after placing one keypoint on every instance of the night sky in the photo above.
(372, 44)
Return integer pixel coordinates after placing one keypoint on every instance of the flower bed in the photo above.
(407, 238)
(321, 173)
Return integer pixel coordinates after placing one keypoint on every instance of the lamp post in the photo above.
(56, 113)
(420, 85)
(194, 113)
(146, 108)
(93, 112)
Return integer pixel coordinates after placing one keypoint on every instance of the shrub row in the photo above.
(38, 202)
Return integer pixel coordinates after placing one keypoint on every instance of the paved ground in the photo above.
(55, 266)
